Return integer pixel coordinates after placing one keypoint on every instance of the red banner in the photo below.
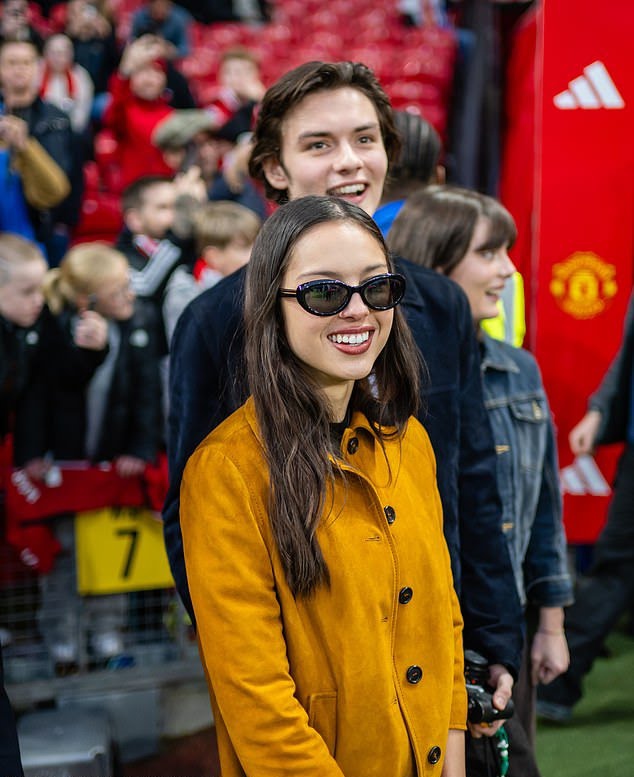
(583, 235)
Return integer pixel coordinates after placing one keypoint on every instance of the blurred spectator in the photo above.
(114, 417)
(224, 233)
(191, 138)
(110, 413)
(148, 214)
(45, 168)
(65, 83)
(14, 23)
(95, 45)
(240, 89)
(138, 103)
(22, 269)
(417, 166)
(177, 91)
(169, 21)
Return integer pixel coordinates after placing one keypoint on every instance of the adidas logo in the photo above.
(583, 477)
(594, 89)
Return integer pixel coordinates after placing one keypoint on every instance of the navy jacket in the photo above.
(613, 397)
(206, 385)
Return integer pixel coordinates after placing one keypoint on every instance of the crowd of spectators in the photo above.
(125, 135)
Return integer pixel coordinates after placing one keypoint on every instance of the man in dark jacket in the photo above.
(328, 129)
(607, 591)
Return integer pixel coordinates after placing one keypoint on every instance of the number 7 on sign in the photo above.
(133, 534)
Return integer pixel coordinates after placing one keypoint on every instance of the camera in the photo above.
(479, 694)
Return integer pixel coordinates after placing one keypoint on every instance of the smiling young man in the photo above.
(329, 129)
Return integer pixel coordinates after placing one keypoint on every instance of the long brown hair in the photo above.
(293, 413)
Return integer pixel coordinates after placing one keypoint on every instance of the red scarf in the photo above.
(71, 86)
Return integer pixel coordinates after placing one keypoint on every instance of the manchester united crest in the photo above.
(583, 285)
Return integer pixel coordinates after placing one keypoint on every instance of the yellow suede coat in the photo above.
(319, 686)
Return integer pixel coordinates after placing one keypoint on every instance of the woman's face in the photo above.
(21, 297)
(483, 273)
(115, 298)
(336, 350)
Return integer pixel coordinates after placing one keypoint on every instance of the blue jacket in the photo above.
(206, 385)
(528, 474)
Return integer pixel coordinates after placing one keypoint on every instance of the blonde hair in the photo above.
(219, 223)
(82, 271)
(14, 252)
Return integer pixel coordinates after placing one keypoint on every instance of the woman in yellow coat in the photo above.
(327, 621)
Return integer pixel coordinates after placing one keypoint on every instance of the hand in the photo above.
(235, 166)
(91, 331)
(37, 469)
(14, 132)
(129, 466)
(139, 53)
(191, 183)
(583, 435)
(549, 656)
(502, 682)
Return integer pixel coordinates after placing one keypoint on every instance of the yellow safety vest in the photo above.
(510, 324)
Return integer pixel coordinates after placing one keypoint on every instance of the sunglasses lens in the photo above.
(325, 298)
(384, 292)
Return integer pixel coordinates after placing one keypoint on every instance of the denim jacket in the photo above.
(528, 478)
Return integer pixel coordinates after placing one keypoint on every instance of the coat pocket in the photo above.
(322, 716)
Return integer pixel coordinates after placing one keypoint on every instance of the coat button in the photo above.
(405, 595)
(433, 756)
(390, 514)
(414, 674)
(353, 445)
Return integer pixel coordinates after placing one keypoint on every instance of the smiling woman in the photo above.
(312, 505)
(467, 235)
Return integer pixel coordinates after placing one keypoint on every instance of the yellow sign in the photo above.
(120, 550)
(583, 285)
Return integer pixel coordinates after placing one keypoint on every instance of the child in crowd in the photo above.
(137, 105)
(113, 416)
(65, 83)
(240, 89)
(148, 214)
(224, 233)
(22, 270)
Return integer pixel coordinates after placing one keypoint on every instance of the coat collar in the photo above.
(496, 356)
(360, 428)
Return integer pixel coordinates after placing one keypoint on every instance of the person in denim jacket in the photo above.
(466, 235)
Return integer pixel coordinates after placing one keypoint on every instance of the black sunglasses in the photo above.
(329, 297)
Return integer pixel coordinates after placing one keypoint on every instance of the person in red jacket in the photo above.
(138, 103)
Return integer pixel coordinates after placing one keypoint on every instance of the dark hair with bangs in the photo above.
(292, 88)
(293, 413)
(435, 226)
